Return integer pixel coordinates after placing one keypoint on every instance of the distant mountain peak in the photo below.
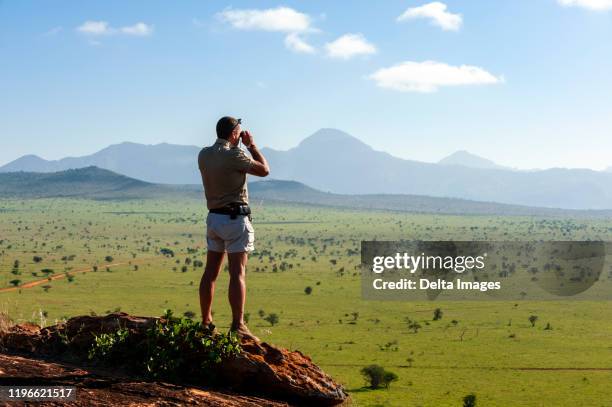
(327, 136)
(29, 162)
(92, 170)
(467, 159)
(31, 158)
(123, 144)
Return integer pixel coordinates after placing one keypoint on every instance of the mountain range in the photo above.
(100, 184)
(160, 163)
(332, 160)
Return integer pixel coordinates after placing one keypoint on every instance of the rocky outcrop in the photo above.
(260, 369)
(95, 389)
(290, 375)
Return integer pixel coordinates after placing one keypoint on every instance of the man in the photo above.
(224, 167)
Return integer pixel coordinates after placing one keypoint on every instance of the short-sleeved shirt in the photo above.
(224, 172)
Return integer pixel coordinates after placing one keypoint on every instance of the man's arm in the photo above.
(259, 166)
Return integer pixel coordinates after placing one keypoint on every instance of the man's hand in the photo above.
(247, 138)
(259, 166)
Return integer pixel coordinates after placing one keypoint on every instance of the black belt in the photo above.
(233, 210)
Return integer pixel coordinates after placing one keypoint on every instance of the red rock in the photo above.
(94, 389)
(288, 375)
(261, 368)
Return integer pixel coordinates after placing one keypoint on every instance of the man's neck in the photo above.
(223, 141)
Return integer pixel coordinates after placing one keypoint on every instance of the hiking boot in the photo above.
(243, 332)
(210, 329)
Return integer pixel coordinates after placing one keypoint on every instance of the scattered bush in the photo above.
(377, 377)
(272, 319)
(167, 252)
(413, 326)
(469, 400)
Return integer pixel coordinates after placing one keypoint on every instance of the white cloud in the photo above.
(138, 29)
(297, 44)
(283, 19)
(348, 46)
(428, 76)
(95, 28)
(598, 5)
(438, 14)
(280, 19)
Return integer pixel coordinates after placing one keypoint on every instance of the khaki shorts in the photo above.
(224, 234)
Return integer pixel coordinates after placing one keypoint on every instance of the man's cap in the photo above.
(226, 125)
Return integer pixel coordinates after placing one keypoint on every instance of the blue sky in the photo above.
(523, 82)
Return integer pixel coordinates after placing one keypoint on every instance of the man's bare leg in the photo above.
(214, 261)
(237, 293)
(237, 286)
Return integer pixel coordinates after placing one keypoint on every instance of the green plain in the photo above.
(490, 350)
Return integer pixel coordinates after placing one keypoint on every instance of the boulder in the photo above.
(290, 375)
